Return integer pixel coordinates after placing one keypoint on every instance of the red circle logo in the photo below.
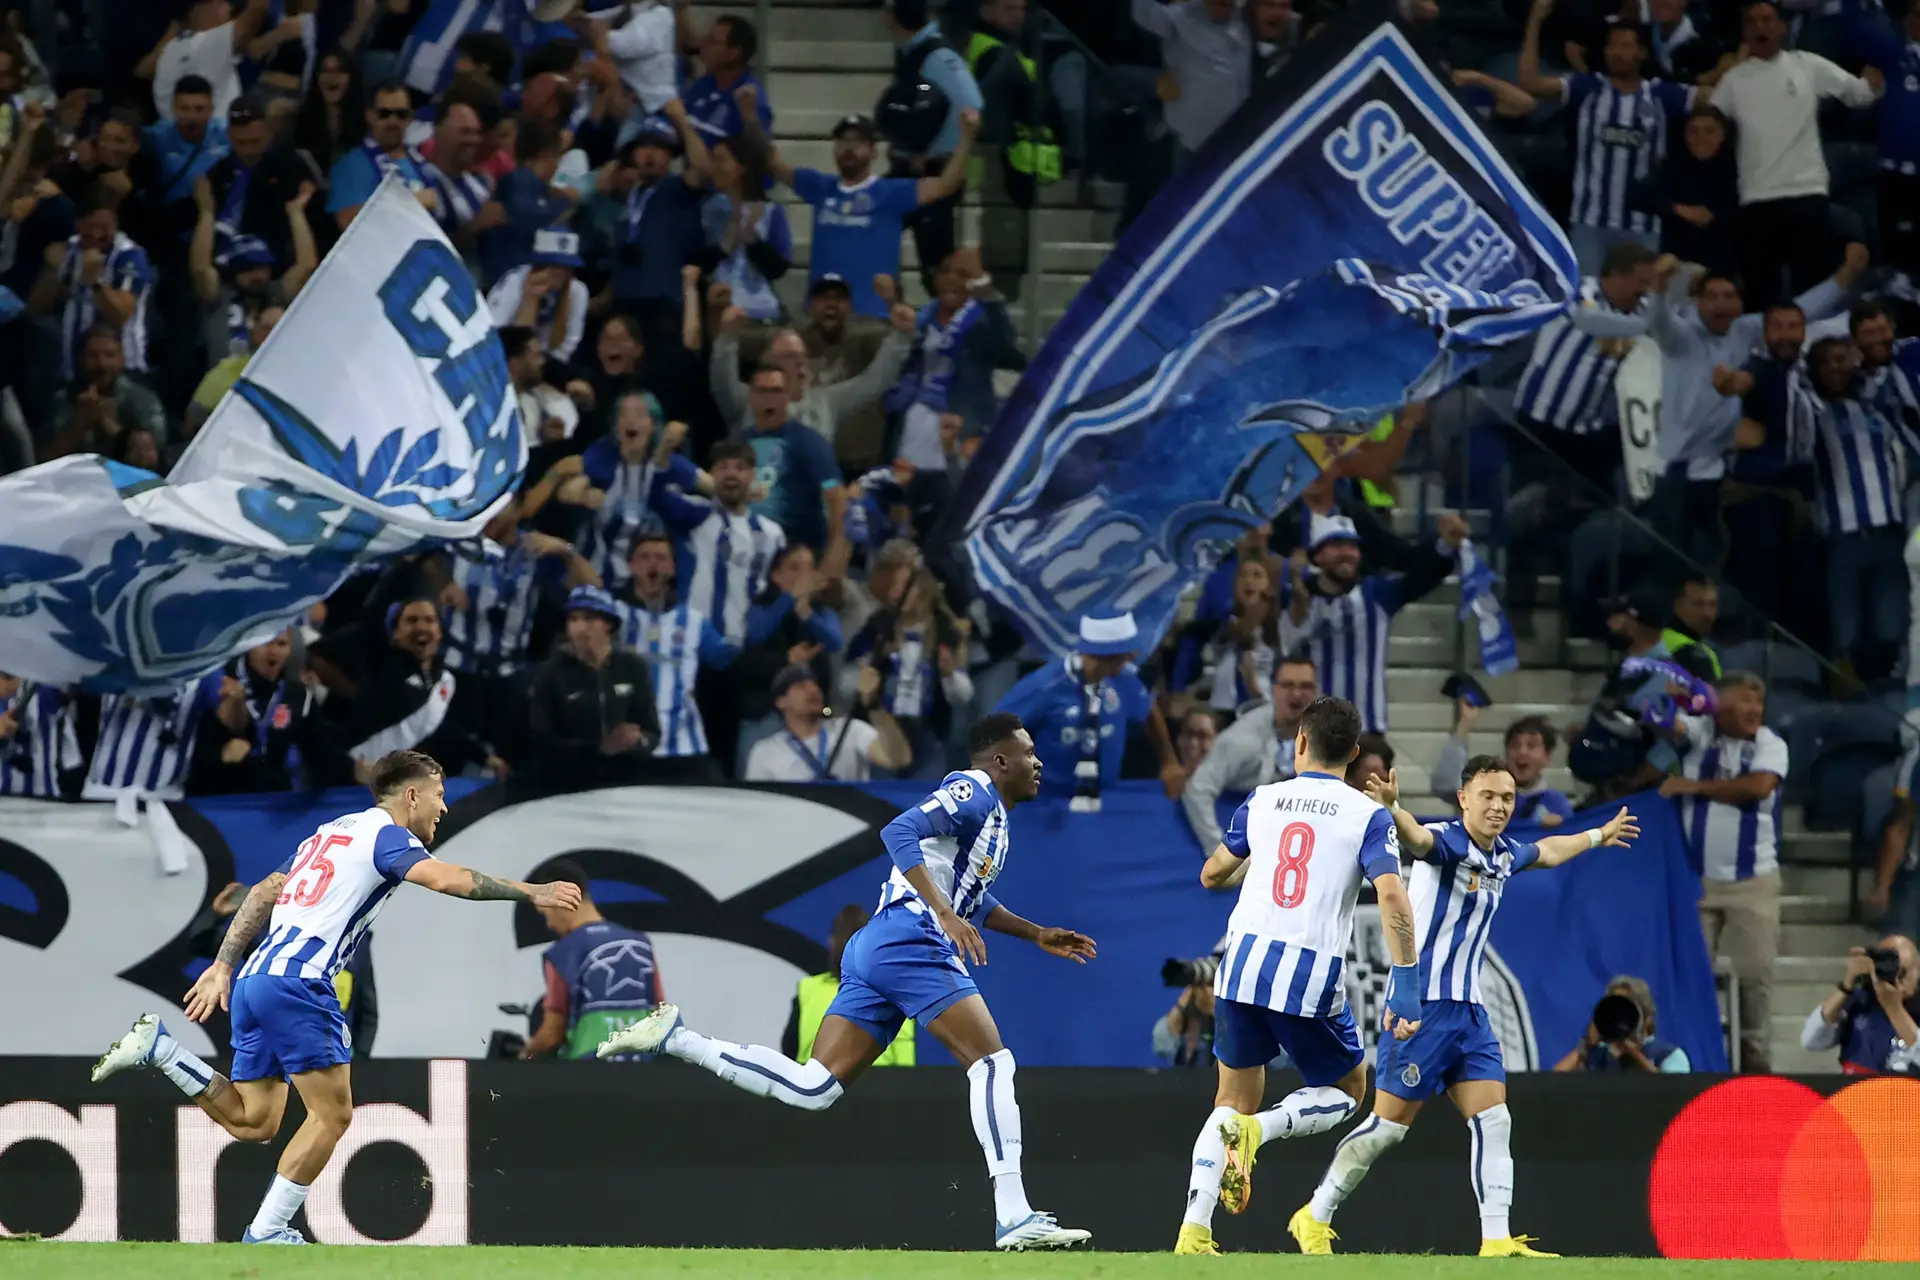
(1763, 1167)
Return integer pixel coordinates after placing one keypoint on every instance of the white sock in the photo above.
(173, 1060)
(1492, 1132)
(1351, 1160)
(1209, 1158)
(758, 1070)
(996, 1123)
(282, 1201)
(1304, 1112)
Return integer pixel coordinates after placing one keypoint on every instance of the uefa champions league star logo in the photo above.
(620, 972)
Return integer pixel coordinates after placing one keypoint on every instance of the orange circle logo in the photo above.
(1763, 1167)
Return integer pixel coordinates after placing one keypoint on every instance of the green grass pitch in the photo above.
(31, 1261)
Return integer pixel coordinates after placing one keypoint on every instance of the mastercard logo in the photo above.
(1762, 1167)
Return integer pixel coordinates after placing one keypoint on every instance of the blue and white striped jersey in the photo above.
(337, 881)
(1311, 840)
(462, 195)
(1726, 841)
(1618, 139)
(145, 745)
(1860, 453)
(1568, 381)
(721, 559)
(41, 745)
(125, 268)
(426, 60)
(502, 586)
(628, 508)
(1347, 638)
(1455, 889)
(959, 833)
(676, 642)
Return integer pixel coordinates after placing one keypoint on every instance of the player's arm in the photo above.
(1619, 831)
(934, 816)
(1380, 863)
(211, 989)
(1227, 866)
(1413, 837)
(477, 886)
(1065, 943)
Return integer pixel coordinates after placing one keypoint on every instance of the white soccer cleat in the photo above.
(285, 1235)
(1038, 1231)
(644, 1036)
(133, 1049)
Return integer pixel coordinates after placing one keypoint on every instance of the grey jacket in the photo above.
(1248, 755)
(822, 407)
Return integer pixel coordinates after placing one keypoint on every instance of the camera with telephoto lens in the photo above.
(1615, 1019)
(1190, 973)
(1886, 967)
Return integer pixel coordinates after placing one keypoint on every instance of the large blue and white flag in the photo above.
(1347, 243)
(377, 419)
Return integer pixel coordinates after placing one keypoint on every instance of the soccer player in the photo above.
(910, 961)
(1457, 876)
(1298, 849)
(287, 1023)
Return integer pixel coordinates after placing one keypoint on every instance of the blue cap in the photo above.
(595, 600)
(243, 252)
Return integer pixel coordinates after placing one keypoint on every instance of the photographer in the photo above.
(1870, 1014)
(1184, 1037)
(1621, 1037)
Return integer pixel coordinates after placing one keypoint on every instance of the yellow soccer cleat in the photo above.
(1195, 1242)
(1313, 1235)
(1512, 1247)
(1242, 1136)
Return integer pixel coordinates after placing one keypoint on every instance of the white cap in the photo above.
(1108, 636)
(1325, 529)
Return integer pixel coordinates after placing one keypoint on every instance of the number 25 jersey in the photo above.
(1309, 842)
(337, 882)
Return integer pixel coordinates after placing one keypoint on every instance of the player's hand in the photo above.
(560, 895)
(1385, 791)
(1620, 830)
(210, 991)
(965, 938)
(1066, 944)
(1400, 1028)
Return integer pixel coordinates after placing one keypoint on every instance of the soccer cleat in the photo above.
(1512, 1247)
(1242, 1135)
(644, 1036)
(1313, 1235)
(285, 1235)
(134, 1049)
(1037, 1231)
(1195, 1241)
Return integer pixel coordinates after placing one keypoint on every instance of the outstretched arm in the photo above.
(210, 990)
(1065, 943)
(1619, 831)
(1415, 838)
(478, 886)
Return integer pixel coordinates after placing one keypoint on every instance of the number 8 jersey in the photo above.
(1309, 841)
(337, 882)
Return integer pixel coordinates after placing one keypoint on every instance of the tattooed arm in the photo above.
(211, 990)
(478, 886)
(1396, 919)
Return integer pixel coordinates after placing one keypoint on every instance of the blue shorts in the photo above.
(1455, 1042)
(283, 1026)
(898, 966)
(1249, 1035)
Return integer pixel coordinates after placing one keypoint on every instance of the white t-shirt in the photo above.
(197, 53)
(1776, 104)
(782, 759)
(644, 51)
(511, 290)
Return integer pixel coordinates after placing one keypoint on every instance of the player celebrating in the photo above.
(910, 961)
(287, 1022)
(1298, 849)
(1460, 868)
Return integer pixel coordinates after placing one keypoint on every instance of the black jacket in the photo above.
(576, 706)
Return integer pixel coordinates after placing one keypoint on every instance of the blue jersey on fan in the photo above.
(1455, 888)
(901, 965)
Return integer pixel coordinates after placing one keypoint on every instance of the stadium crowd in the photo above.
(723, 562)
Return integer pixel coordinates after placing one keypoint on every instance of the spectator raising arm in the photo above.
(953, 175)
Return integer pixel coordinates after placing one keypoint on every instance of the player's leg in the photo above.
(855, 1031)
(959, 1019)
(1406, 1074)
(1243, 1044)
(327, 1094)
(1477, 1086)
(249, 1107)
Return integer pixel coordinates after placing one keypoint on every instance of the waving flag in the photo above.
(1346, 243)
(377, 419)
